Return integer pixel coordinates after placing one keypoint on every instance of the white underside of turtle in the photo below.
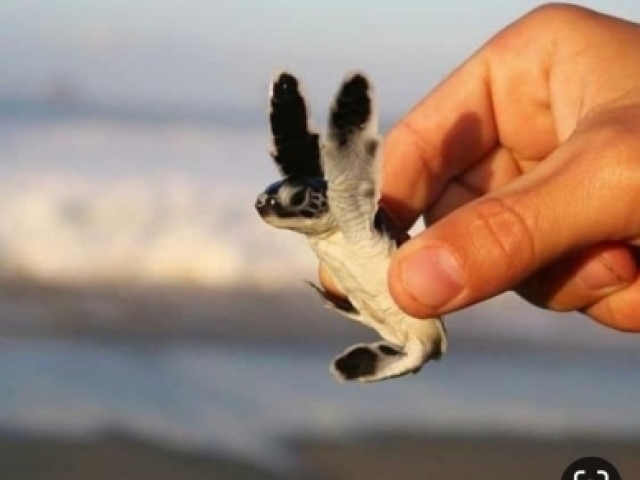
(330, 192)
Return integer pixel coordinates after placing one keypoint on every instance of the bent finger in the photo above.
(479, 107)
(621, 310)
(581, 280)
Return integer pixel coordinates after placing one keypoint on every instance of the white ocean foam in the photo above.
(96, 201)
(167, 231)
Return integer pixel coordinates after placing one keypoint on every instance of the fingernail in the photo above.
(432, 276)
(597, 276)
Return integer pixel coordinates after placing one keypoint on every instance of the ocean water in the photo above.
(247, 400)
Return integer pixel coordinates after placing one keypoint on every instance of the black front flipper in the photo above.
(352, 110)
(296, 149)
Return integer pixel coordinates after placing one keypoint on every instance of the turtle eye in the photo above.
(298, 198)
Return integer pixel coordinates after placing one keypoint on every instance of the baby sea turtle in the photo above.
(329, 193)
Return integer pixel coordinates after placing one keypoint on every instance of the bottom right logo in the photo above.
(591, 468)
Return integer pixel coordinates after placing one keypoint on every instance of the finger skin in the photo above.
(620, 310)
(522, 92)
(458, 123)
(579, 281)
(565, 205)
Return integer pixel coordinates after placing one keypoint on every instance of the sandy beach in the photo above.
(380, 456)
(387, 457)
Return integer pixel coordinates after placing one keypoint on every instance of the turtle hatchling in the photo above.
(329, 193)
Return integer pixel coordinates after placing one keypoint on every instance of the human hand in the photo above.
(527, 158)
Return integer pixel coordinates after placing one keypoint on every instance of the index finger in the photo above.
(498, 97)
(438, 139)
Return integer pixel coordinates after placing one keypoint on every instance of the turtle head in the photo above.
(298, 204)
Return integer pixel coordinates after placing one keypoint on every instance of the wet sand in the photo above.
(390, 457)
(115, 458)
(376, 456)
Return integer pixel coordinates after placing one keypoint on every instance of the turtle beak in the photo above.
(262, 205)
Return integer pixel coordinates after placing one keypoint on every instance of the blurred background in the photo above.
(151, 326)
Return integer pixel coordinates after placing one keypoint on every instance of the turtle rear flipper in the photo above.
(380, 361)
(337, 303)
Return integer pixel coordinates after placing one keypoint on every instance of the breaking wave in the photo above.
(101, 201)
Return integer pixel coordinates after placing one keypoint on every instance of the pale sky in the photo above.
(198, 53)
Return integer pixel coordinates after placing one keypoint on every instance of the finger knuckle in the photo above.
(557, 13)
(426, 148)
(501, 231)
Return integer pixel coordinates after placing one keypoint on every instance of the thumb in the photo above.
(492, 244)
